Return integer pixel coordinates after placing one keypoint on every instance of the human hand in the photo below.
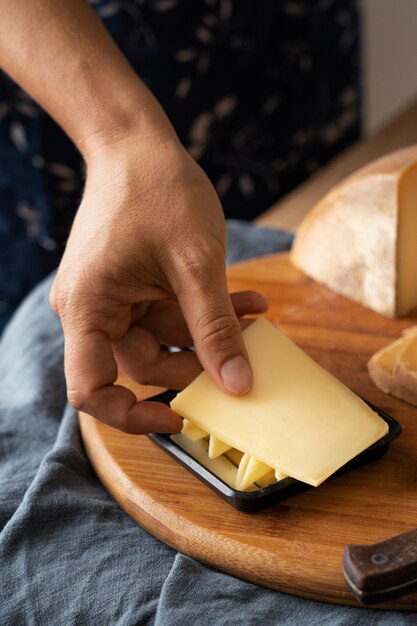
(145, 265)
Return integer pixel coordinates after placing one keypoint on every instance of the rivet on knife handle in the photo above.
(382, 571)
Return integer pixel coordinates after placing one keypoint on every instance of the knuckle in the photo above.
(80, 312)
(64, 295)
(60, 296)
(78, 399)
(199, 263)
(74, 283)
(222, 330)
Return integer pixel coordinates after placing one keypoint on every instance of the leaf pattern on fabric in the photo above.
(260, 93)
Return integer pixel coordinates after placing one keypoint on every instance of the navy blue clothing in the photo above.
(261, 94)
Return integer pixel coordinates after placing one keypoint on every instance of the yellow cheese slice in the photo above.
(221, 466)
(279, 475)
(249, 471)
(297, 418)
(234, 456)
(268, 479)
(217, 447)
(360, 239)
(192, 431)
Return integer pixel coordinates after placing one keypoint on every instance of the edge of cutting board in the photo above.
(295, 546)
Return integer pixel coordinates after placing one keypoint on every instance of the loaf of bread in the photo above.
(394, 368)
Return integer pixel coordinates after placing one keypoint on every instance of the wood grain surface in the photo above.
(295, 546)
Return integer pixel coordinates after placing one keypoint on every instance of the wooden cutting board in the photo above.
(295, 546)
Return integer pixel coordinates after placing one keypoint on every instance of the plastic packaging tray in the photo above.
(251, 501)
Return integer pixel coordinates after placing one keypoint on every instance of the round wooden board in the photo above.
(295, 546)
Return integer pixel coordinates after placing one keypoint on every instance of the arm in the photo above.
(147, 247)
(61, 54)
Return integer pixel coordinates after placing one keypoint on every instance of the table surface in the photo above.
(288, 212)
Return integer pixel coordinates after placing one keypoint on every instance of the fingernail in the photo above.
(236, 375)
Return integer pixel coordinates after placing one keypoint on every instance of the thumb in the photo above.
(208, 310)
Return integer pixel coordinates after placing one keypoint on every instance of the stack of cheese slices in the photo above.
(298, 420)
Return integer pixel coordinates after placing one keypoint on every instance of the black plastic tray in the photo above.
(250, 501)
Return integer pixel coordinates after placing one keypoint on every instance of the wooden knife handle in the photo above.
(382, 571)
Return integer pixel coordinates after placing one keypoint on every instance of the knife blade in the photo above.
(382, 571)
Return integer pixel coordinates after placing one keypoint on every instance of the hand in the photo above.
(144, 264)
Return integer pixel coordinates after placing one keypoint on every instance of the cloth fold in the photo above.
(68, 554)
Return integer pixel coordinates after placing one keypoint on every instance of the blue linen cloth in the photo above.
(69, 555)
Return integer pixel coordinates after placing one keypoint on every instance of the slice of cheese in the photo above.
(272, 476)
(192, 431)
(221, 466)
(394, 368)
(249, 471)
(268, 479)
(234, 456)
(297, 418)
(360, 239)
(217, 447)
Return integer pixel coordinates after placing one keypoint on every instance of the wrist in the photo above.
(132, 160)
(135, 119)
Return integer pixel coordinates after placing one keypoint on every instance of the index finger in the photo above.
(91, 371)
(165, 320)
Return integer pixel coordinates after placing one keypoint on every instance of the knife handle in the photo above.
(382, 571)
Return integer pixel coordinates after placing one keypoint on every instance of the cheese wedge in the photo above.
(297, 419)
(360, 239)
(406, 368)
(394, 368)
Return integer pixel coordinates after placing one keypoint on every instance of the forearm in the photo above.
(61, 54)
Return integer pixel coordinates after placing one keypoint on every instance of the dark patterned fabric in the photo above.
(261, 94)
